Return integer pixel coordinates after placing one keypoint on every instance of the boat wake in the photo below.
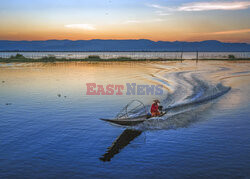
(190, 97)
(189, 94)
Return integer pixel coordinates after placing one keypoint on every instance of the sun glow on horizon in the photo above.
(185, 20)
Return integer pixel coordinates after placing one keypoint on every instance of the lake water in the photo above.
(134, 55)
(50, 127)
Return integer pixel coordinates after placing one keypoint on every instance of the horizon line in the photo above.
(121, 40)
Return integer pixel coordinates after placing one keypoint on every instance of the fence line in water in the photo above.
(133, 55)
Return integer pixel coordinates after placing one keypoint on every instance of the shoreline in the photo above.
(110, 60)
(94, 58)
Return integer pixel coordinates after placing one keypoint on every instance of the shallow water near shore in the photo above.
(50, 127)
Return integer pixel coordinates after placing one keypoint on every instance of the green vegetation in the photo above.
(231, 57)
(18, 56)
(93, 58)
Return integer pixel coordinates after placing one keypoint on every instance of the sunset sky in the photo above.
(165, 20)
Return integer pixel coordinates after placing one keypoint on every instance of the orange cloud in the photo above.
(231, 32)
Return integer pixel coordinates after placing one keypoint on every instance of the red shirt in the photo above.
(154, 108)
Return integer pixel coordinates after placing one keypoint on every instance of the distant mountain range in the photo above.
(122, 45)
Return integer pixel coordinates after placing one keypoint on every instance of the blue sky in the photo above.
(169, 20)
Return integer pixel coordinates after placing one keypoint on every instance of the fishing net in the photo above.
(134, 108)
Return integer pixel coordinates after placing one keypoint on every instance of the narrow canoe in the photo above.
(130, 121)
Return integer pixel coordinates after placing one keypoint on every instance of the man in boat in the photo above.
(155, 108)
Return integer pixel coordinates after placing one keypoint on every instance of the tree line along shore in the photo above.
(96, 58)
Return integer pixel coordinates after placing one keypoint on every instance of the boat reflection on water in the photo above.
(122, 141)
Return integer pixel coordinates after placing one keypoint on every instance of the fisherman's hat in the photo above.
(157, 101)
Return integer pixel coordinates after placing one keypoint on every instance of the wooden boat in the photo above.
(124, 117)
(131, 121)
(128, 121)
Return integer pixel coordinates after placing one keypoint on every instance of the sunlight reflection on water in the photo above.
(44, 134)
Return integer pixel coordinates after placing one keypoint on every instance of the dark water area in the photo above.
(50, 127)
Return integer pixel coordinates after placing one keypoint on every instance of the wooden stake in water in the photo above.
(197, 56)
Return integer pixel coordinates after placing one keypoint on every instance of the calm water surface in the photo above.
(50, 128)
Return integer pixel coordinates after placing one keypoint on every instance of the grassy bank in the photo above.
(93, 58)
(21, 58)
